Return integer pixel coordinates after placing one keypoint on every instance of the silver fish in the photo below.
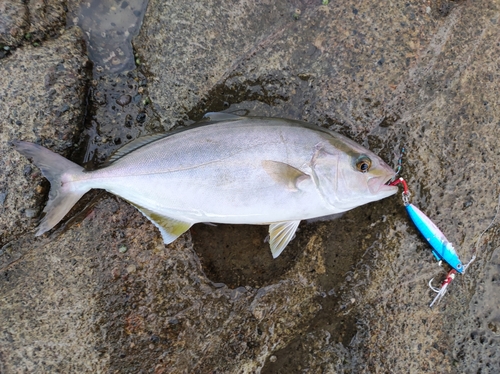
(231, 169)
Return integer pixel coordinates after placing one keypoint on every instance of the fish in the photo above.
(226, 169)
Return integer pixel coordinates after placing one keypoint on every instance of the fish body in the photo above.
(231, 169)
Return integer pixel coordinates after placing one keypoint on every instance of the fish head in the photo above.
(349, 175)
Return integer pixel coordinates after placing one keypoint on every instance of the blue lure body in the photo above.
(441, 248)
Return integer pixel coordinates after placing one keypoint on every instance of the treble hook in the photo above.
(444, 286)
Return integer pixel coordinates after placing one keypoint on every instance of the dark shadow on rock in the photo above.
(237, 255)
(347, 245)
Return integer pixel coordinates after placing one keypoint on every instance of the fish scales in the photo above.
(231, 170)
(212, 169)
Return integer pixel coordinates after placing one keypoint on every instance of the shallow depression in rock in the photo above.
(238, 255)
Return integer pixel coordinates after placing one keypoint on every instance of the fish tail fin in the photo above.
(58, 170)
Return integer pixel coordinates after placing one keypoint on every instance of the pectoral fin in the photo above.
(170, 228)
(280, 235)
(284, 174)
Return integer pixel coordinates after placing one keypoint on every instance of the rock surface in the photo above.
(42, 99)
(13, 22)
(103, 294)
(30, 21)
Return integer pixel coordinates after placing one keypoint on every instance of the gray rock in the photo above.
(91, 307)
(188, 66)
(32, 20)
(47, 110)
(394, 75)
(348, 296)
(47, 17)
(13, 22)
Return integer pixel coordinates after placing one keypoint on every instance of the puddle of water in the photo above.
(119, 112)
(110, 26)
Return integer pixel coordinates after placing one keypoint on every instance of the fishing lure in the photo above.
(442, 249)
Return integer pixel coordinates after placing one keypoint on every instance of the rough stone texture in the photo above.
(46, 17)
(42, 99)
(107, 296)
(221, 35)
(447, 118)
(13, 21)
(31, 20)
(148, 302)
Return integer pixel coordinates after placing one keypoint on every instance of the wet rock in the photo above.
(449, 153)
(150, 295)
(29, 113)
(452, 154)
(141, 117)
(13, 22)
(354, 295)
(111, 25)
(110, 124)
(124, 100)
(376, 70)
(30, 21)
(46, 18)
(206, 55)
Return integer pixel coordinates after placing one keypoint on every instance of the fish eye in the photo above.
(363, 164)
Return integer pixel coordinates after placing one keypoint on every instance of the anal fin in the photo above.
(170, 228)
(280, 234)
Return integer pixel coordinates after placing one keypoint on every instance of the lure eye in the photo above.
(363, 164)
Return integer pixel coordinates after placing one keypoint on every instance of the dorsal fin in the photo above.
(221, 116)
(144, 140)
(133, 145)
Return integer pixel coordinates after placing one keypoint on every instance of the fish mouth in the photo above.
(388, 187)
(380, 186)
